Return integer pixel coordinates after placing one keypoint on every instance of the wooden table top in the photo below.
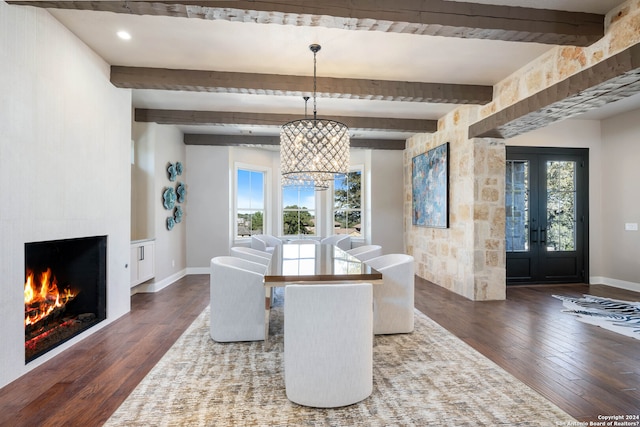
(293, 263)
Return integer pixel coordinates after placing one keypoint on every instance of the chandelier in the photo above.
(306, 181)
(313, 150)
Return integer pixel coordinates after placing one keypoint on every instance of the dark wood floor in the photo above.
(85, 384)
(583, 369)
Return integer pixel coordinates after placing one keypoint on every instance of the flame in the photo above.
(40, 301)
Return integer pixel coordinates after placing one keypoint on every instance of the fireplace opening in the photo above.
(64, 291)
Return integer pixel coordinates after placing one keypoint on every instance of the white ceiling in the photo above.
(220, 45)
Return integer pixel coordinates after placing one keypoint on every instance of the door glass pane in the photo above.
(561, 206)
(517, 206)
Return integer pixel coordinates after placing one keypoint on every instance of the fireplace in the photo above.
(65, 291)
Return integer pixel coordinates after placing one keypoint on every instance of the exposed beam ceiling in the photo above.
(216, 81)
(608, 81)
(180, 117)
(185, 82)
(426, 17)
(274, 141)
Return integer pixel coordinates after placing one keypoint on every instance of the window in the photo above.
(250, 202)
(517, 206)
(347, 204)
(298, 211)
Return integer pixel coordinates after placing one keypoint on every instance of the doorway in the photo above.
(547, 218)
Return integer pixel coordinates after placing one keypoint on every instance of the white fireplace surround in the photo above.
(65, 135)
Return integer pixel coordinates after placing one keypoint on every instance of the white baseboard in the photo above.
(152, 287)
(198, 270)
(630, 286)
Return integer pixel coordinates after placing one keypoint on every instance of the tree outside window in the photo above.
(347, 204)
(561, 206)
(298, 211)
(250, 202)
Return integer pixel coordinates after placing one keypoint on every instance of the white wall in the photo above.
(387, 200)
(621, 201)
(613, 174)
(208, 196)
(65, 136)
(156, 147)
(143, 202)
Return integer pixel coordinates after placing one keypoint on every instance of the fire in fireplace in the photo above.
(64, 291)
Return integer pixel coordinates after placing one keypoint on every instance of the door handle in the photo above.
(543, 236)
(534, 236)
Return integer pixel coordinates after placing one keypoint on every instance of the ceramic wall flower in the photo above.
(172, 171)
(170, 222)
(177, 215)
(181, 191)
(179, 168)
(169, 198)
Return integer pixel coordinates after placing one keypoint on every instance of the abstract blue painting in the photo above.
(430, 185)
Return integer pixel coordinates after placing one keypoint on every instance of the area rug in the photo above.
(615, 315)
(427, 378)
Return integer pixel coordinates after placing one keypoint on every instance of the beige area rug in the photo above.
(427, 378)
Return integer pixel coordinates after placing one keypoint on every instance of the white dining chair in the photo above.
(254, 255)
(328, 344)
(366, 252)
(250, 254)
(237, 300)
(393, 300)
(343, 241)
(265, 242)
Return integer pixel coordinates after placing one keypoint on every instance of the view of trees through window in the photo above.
(561, 194)
(347, 204)
(250, 202)
(561, 206)
(298, 205)
(298, 211)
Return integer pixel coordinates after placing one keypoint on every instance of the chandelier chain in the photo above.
(315, 107)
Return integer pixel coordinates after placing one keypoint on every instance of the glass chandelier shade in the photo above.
(317, 147)
(313, 149)
(306, 181)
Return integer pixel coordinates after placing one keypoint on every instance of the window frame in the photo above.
(266, 171)
(362, 236)
(317, 210)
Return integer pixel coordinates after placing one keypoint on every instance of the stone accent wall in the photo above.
(622, 30)
(469, 257)
(489, 219)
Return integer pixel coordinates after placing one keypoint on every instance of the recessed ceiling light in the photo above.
(124, 35)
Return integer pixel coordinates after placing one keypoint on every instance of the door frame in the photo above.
(582, 195)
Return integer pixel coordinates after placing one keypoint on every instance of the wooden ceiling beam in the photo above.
(274, 141)
(274, 84)
(189, 117)
(433, 17)
(608, 81)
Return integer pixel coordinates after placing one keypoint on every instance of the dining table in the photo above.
(310, 263)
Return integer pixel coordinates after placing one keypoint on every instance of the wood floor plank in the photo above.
(86, 383)
(573, 364)
(583, 369)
